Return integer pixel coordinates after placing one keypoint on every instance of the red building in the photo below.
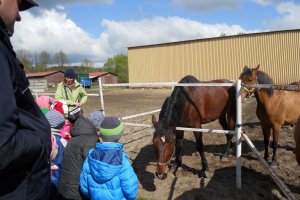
(106, 77)
(53, 77)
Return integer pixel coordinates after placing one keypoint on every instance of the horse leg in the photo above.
(178, 149)
(225, 126)
(276, 132)
(200, 149)
(267, 133)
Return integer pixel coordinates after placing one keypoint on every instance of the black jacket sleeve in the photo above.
(20, 143)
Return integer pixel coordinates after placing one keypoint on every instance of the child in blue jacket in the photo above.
(107, 172)
(56, 121)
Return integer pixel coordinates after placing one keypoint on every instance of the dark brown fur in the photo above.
(191, 107)
(295, 83)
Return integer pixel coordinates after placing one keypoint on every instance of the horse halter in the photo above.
(249, 90)
(168, 162)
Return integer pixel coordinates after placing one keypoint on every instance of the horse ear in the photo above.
(245, 68)
(256, 68)
(154, 122)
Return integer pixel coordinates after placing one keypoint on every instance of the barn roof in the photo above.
(99, 74)
(41, 74)
(215, 38)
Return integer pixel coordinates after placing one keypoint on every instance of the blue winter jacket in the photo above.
(107, 174)
(55, 177)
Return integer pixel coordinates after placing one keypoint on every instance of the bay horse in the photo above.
(274, 107)
(297, 140)
(295, 83)
(191, 107)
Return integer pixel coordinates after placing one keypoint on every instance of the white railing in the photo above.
(238, 128)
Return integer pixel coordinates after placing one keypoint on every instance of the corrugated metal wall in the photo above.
(278, 54)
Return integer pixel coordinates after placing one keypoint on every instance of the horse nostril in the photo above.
(161, 176)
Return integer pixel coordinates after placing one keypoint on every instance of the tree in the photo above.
(119, 66)
(86, 63)
(44, 59)
(60, 58)
(25, 58)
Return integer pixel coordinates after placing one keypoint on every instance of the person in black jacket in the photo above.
(25, 138)
(83, 138)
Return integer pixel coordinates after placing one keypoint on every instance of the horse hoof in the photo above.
(202, 174)
(273, 163)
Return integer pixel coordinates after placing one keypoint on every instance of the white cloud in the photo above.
(205, 5)
(289, 17)
(160, 30)
(53, 31)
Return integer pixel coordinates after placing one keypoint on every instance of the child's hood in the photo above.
(105, 161)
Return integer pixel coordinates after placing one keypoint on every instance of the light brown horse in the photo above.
(297, 140)
(274, 107)
(191, 107)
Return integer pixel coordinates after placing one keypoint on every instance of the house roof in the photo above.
(41, 74)
(98, 74)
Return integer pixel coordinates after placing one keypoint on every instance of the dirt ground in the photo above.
(221, 181)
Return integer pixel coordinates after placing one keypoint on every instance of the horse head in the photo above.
(164, 147)
(248, 76)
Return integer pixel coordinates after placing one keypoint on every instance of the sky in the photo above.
(100, 29)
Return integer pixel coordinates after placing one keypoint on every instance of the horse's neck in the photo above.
(263, 98)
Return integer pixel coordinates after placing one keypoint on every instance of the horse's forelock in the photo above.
(247, 71)
(162, 129)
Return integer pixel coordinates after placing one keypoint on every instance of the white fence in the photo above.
(238, 129)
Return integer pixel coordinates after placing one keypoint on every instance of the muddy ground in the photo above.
(221, 181)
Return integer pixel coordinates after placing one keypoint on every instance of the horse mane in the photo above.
(264, 78)
(173, 106)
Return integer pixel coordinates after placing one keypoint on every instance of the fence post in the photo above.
(101, 96)
(238, 129)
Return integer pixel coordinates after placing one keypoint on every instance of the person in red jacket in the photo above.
(25, 138)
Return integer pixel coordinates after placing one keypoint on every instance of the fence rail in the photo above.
(274, 86)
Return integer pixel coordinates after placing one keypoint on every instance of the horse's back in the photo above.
(210, 101)
(297, 140)
(193, 79)
(295, 83)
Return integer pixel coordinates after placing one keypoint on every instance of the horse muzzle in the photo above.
(162, 170)
(161, 176)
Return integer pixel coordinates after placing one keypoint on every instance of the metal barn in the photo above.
(278, 54)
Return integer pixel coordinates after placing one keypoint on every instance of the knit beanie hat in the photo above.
(70, 73)
(55, 119)
(111, 129)
(44, 101)
(96, 118)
